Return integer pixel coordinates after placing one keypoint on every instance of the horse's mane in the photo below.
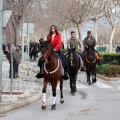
(53, 52)
(74, 55)
(91, 53)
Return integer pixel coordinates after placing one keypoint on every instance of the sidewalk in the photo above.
(25, 89)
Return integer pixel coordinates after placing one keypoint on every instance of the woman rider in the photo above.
(54, 38)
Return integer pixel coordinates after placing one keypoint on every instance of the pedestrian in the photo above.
(17, 58)
(6, 49)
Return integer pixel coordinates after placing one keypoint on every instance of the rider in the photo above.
(89, 40)
(74, 42)
(54, 38)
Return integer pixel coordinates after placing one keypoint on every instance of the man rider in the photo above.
(74, 42)
(90, 40)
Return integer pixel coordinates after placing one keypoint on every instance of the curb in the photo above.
(20, 104)
(106, 78)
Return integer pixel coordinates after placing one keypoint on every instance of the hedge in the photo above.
(109, 70)
(106, 57)
(113, 71)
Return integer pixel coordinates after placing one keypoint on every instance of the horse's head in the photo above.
(45, 50)
(90, 53)
(71, 56)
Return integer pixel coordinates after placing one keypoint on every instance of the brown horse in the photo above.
(52, 72)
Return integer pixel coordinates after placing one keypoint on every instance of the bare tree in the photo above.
(112, 11)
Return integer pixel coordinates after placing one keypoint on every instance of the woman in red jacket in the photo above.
(54, 38)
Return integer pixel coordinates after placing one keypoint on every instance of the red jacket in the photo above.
(56, 43)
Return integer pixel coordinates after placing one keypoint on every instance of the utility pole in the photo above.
(1, 86)
(28, 35)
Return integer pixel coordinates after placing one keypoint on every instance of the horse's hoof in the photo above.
(76, 90)
(73, 93)
(89, 83)
(53, 107)
(62, 101)
(43, 107)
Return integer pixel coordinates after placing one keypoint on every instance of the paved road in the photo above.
(100, 101)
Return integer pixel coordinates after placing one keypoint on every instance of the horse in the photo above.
(90, 62)
(34, 52)
(74, 65)
(52, 73)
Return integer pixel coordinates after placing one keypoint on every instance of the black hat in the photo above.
(88, 32)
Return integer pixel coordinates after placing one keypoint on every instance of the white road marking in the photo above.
(101, 85)
(118, 87)
(79, 86)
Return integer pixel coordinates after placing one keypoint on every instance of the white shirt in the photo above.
(53, 36)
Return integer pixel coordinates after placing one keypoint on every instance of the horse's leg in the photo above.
(74, 83)
(71, 83)
(54, 96)
(44, 95)
(61, 91)
(95, 80)
(88, 76)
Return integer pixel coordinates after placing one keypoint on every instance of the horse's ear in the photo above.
(68, 49)
(74, 49)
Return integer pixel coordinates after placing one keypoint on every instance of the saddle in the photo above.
(95, 53)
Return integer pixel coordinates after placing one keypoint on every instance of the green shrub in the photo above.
(113, 71)
(101, 69)
(106, 57)
(114, 62)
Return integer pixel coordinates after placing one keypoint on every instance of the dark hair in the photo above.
(88, 32)
(72, 32)
(50, 32)
(41, 39)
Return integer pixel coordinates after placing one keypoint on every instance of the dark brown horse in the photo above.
(74, 65)
(90, 64)
(52, 72)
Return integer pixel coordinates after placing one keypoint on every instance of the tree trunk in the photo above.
(95, 29)
(79, 32)
(111, 38)
(17, 40)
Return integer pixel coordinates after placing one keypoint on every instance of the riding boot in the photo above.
(99, 62)
(40, 74)
(65, 76)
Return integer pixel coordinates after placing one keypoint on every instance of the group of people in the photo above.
(54, 38)
(16, 57)
(34, 48)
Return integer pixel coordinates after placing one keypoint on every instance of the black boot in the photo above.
(40, 74)
(99, 62)
(65, 76)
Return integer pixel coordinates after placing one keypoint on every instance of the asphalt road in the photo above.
(100, 101)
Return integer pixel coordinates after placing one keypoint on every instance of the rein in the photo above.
(49, 73)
